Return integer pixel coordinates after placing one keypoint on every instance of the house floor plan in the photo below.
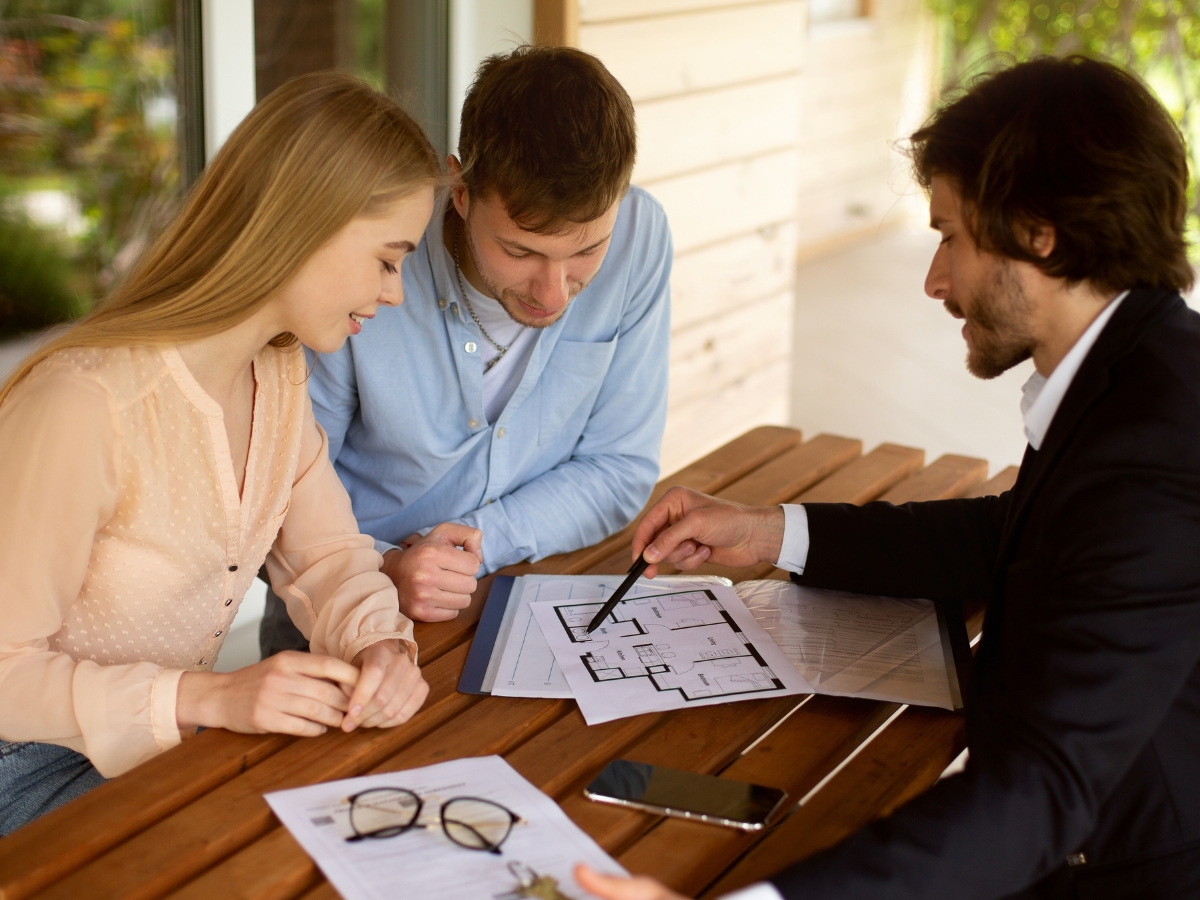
(683, 642)
(664, 651)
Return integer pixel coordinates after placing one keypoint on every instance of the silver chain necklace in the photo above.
(501, 350)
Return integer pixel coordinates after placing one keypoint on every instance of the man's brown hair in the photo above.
(1077, 144)
(551, 133)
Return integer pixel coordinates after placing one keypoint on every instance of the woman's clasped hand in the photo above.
(306, 694)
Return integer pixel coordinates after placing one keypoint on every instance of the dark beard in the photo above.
(998, 325)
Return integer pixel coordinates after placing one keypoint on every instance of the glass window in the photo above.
(424, 52)
(89, 162)
(293, 37)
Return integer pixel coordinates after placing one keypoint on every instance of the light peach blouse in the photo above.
(125, 548)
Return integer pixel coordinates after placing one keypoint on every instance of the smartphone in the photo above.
(673, 792)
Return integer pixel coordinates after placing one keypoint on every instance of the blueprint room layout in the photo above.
(684, 642)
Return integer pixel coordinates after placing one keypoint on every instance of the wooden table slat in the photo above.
(256, 872)
(868, 477)
(323, 891)
(493, 726)
(946, 476)
(794, 471)
(902, 761)
(49, 848)
(998, 484)
(224, 820)
(559, 756)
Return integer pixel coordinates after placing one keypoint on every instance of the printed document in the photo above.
(881, 648)
(423, 862)
(664, 650)
(526, 667)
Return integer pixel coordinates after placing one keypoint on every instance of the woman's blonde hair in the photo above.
(316, 153)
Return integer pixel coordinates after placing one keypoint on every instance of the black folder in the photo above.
(483, 645)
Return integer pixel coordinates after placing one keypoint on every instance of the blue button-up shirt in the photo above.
(574, 454)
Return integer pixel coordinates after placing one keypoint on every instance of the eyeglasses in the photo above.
(468, 821)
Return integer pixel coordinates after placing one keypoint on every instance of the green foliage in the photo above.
(83, 87)
(35, 277)
(368, 43)
(1158, 39)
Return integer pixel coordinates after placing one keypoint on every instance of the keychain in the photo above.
(532, 885)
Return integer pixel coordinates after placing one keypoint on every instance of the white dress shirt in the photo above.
(764, 890)
(1041, 396)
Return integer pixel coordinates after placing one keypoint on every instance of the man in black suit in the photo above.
(1059, 188)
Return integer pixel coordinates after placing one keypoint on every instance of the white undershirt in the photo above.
(1040, 396)
(501, 381)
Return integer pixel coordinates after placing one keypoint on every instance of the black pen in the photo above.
(635, 572)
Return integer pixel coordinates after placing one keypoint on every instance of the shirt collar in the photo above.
(1041, 396)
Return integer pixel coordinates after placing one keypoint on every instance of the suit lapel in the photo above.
(1122, 333)
(1120, 336)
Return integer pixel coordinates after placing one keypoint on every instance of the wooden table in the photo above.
(192, 822)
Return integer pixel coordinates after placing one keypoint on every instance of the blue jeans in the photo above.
(37, 778)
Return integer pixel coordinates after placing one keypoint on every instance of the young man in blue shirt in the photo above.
(513, 406)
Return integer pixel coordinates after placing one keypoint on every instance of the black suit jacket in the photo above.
(1083, 718)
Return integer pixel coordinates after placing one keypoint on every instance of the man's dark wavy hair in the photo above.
(1077, 144)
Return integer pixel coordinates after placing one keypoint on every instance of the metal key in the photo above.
(532, 885)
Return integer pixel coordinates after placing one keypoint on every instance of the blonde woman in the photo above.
(154, 455)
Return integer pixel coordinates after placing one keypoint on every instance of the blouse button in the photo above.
(218, 634)
(203, 663)
(230, 600)
(472, 423)
(233, 568)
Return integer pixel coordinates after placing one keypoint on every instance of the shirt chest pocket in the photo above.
(569, 385)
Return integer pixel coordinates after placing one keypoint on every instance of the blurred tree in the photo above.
(35, 278)
(87, 106)
(1158, 39)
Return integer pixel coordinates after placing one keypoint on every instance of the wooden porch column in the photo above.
(556, 22)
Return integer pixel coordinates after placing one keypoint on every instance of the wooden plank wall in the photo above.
(764, 139)
(864, 84)
(716, 85)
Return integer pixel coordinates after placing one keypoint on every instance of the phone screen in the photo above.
(674, 792)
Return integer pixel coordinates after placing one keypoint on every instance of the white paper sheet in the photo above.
(880, 648)
(424, 862)
(526, 667)
(664, 651)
